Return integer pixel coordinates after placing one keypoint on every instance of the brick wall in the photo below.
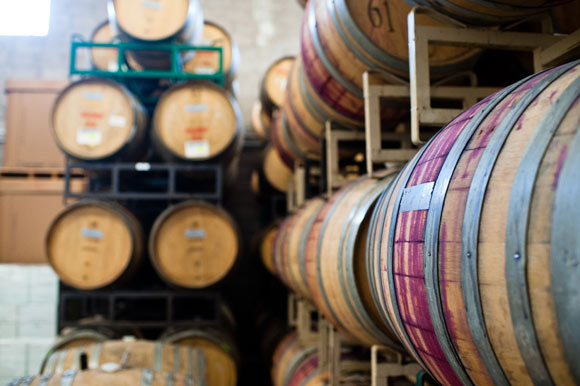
(263, 29)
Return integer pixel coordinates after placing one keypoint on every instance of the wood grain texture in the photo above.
(95, 119)
(93, 244)
(194, 244)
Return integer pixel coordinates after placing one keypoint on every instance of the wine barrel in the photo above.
(95, 119)
(273, 85)
(289, 247)
(100, 377)
(285, 143)
(94, 244)
(105, 59)
(221, 356)
(267, 246)
(341, 40)
(335, 262)
(261, 121)
(194, 244)
(489, 12)
(207, 62)
(287, 357)
(197, 121)
(136, 354)
(475, 247)
(276, 172)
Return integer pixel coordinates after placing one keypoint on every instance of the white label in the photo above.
(117, 121)
(205, 70)
(195, 233)
(196, 108)
(282, 82)
(93, 96)
(113, 66)
(151, 5)
(90, 136)
(197, 149)
(92, 233)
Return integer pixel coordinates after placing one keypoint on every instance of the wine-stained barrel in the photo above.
(143, 354)
(335, 262)
(489, 12)
(261, 121)
(95, 119)
(100, 377)
(342, 39)
(218, 349)
(94, 244)
(289, 247)
(194, 244)
(197, 121)
(287, 357)
(475, 247)
(207, 62)
(106, 59)
(273, 87)
(276, 172)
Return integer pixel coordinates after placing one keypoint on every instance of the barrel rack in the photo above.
(142, 183)
(548, 50)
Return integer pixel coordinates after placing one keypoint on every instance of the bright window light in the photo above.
(24, 17)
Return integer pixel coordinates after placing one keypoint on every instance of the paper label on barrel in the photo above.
(154, 5)
(113, 66)
(93, 96)
(205, 70)
(92, 233)
(197, 149)
(282, 82)
(195, 233)
(196, 108)
(117, 121)
(89, 136)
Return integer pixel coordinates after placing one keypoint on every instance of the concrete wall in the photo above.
(263, 29)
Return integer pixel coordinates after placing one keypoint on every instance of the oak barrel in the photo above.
(273, 85)
(207, 62)
(95, 119)
(194, 244)
(93, 244)
(276, 172)
(489, 12)
(266, 241)
(475, 248)
(131, 354)
(197, 121)
(99, 378)
(341, 39)
(218, 348)
(335, 262)
(106, 59)
(289, 247)
(155, 21)
(261, 121)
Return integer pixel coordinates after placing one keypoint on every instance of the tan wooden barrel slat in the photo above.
(219, 351)
(207, 62)
(94, 119)
(267, 247)
(197, 121)
(194, 244)
(106, 59)
(93, 244)
(465, 241)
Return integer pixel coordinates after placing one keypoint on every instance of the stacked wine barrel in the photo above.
(197, 356)
(467, 258)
